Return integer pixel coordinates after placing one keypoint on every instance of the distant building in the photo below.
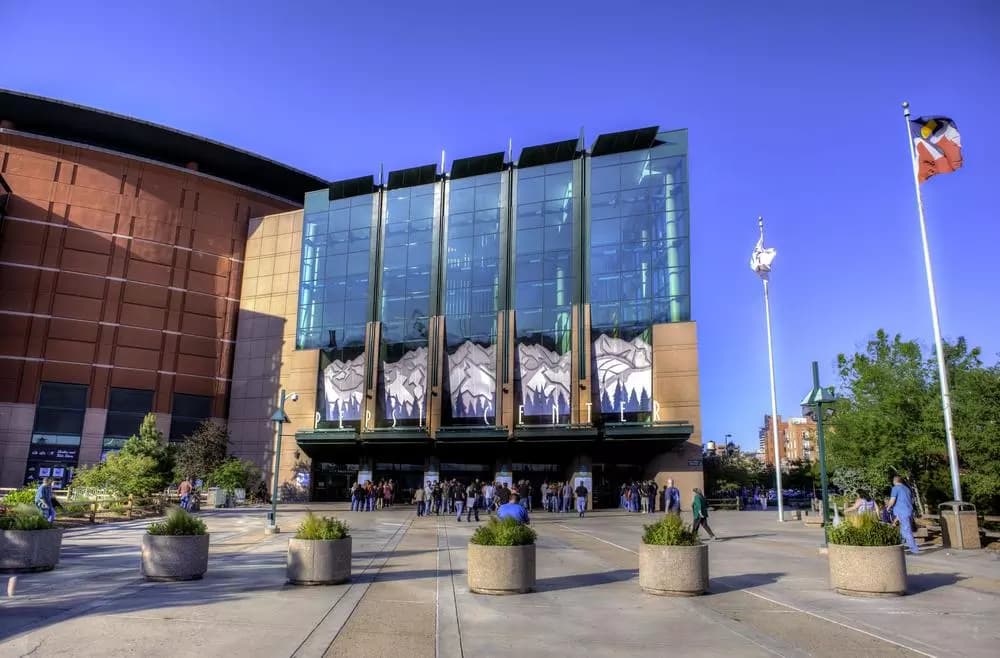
(796, 440)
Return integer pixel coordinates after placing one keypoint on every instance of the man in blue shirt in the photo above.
(44, 500)
(672, 498)
(901, 504)
(513, 510)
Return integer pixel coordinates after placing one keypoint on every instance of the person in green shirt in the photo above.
(700, 509)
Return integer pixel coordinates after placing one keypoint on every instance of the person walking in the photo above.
(418, 498)
(672, 497)
(184, 490)
(653, 488)
(581, 499)
(901, 505)
(458, 500)
(473, 501)
(567, 497)
(700, 509)
(436, 497)
(488, 492)
(45, 501)
(863, 505)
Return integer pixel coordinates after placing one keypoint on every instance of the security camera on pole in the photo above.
(760, 262)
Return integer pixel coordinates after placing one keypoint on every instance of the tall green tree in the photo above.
(888, 420)
(203, 451)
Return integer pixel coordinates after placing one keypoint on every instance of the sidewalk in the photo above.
(408, 597)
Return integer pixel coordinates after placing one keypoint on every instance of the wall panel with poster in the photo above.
(341, 387)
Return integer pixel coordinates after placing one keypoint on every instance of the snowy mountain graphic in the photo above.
(545, 377)
(624, 373)
(406, 386)
(472, 378)
(343, 387)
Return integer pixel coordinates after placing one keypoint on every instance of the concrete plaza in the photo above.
(408, 597)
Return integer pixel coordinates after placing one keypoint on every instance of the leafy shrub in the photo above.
(24, 517)
(178, 522)
(25, 496)
(670, 531)
(322, 527)
(865, 530)
(503, 532)
(234, 474)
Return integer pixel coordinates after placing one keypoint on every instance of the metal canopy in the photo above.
(626, 140)
(477, 165)
(343, 189)
(412, 177)
(533, 156)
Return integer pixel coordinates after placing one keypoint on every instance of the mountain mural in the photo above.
(406, 386)
(343, 388)
(472, 378)
(624, 373)
(545, 380)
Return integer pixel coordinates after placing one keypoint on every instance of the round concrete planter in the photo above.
(673, 570)
(319, 561)
(29, 550)
(501, 569)
(174, 557)
(867, 570)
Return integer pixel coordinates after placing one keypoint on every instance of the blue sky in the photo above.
(793, 111)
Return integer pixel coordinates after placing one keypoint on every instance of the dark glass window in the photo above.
(188, 412)
(126, 409)
(55, 441)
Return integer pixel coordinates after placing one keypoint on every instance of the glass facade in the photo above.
(439, 263)
(337, 243)
(405, 307)
(472, 251)
(188, 413)
(639, 269)
(543, 290)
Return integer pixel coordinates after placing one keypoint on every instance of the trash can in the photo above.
(959, 525)
(216, 497)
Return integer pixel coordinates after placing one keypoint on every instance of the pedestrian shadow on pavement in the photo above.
(753, 536)
(584, 580)
(388, 576)
(743, 581)
(917, 583)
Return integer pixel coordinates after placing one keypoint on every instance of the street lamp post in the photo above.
(817, 397)
(279, 417)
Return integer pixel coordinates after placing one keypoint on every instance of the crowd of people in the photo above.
(369, 497)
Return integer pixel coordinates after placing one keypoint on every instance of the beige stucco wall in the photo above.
(676, 390)
(266, 360)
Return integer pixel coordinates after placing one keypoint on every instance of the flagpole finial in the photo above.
(906, 108)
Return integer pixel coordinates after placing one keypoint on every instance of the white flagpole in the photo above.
(774, 397)
(956, 486)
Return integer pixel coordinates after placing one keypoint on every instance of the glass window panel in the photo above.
(422, 206)
(488, 195)
(529, 267)
(605, 232)
(361, 216)
(340, 219)
(559, 186)
(604, 180)
(357, 263)
(462, 200)
(603, 206)
(530, 241)
(530, 190)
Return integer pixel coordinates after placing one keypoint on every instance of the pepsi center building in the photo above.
(509, 318)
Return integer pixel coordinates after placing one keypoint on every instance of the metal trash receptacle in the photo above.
(959, 525)
(216, 497)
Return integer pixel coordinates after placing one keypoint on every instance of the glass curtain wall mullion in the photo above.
(639, 274)
(471, 278)
(544, 289)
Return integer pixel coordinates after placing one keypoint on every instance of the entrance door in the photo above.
(333, 482)
(608, 480)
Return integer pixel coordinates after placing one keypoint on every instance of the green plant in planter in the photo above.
(178, 522)
(24, 517)
(670, 531)
(505, 532)
(865, 530)
(322, 528)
